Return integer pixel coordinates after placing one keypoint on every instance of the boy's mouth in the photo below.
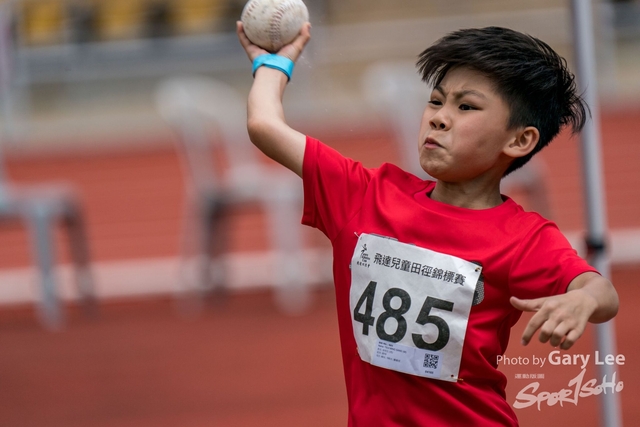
(431, 143)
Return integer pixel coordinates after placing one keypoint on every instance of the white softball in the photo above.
(272, 24)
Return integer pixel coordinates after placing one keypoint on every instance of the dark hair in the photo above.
(531, 77)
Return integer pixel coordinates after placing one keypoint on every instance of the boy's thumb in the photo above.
(526, 304)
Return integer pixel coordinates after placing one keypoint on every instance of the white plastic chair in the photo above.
(41, 206)
(210, 120)
(398, 94)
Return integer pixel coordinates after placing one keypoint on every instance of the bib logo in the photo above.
(365, 259)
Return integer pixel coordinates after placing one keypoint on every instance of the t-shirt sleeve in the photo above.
(546, 264)
(334, 187)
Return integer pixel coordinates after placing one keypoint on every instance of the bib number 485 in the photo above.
(424, 317)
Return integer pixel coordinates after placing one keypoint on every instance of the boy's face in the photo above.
(464, 129)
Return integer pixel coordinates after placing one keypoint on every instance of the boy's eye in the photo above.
(435, 102)
(466, 107)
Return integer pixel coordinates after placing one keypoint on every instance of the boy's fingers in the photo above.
(571, 338)
(244, 40)
(527, 304)
(251, 49)
(240, 31)
(534, 324)
(557, 335)
(295, 48)
(303, 38)
(559, 327)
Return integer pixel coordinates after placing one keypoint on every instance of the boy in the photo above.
(431, 275)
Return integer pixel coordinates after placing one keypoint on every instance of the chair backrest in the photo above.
(210, 118)
(397, 90)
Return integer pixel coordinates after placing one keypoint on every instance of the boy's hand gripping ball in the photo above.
(272, 24)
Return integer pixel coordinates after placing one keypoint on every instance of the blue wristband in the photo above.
(274, 61)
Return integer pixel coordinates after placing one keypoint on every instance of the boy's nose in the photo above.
(437, 122)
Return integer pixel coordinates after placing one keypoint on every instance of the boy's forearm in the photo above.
(266, 122)
(265, 98)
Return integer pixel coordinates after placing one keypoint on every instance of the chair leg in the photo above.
(203, 263)
(189, 296)
(201, 245)
(293, 294)
(79, 246)
(41, 228)
(217, 245)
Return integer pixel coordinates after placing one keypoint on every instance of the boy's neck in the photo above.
(468, 195)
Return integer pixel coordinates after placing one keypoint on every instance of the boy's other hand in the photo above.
(561, 319)
(292, 50)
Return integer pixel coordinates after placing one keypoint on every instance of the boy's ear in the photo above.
(525, 140)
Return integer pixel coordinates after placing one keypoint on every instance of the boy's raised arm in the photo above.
(266, 123)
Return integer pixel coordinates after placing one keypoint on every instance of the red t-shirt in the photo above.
(522, 254)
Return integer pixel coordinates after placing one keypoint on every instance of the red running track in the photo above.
(238, 364)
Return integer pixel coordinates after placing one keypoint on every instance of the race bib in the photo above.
(410, 306)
